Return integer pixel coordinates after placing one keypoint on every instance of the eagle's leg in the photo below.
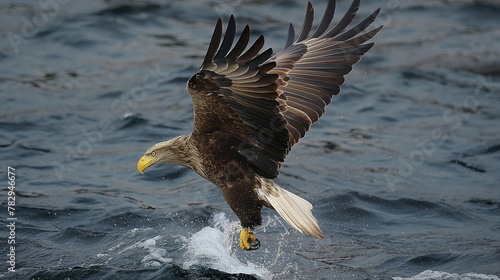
(241, 197)
(248, 241)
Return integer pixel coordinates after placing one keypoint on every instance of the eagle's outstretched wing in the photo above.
(313, 66)
(266, 103)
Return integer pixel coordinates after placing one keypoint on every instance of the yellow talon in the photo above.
(248, 241)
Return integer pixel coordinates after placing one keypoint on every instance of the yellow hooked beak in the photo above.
(145, 162)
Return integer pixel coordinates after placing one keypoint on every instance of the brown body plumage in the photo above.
(251, 108)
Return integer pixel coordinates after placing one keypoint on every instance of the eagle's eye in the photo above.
(153, 153)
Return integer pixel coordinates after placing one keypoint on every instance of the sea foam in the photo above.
(440, 275)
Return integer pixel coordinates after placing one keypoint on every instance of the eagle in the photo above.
(251, 107)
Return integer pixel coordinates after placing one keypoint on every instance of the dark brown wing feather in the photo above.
(314, 66)
(235, 96)
(265, 104)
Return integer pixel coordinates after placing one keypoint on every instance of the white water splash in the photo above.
(439, 275)
(211, 247)
(155, 256)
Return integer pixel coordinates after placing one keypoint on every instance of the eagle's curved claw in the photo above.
(248, 241)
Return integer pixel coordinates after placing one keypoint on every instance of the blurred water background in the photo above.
(403, 169)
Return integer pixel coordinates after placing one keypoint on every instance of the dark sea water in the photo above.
(403, 169)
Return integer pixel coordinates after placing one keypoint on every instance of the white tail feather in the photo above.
(295, 210)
